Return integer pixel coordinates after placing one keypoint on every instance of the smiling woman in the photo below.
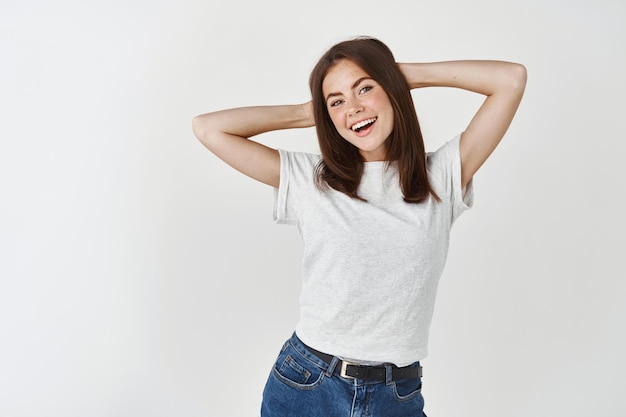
(359, 108)
(355, 82)
(375, 212)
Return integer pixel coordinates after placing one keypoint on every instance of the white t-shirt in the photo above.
(370, 269)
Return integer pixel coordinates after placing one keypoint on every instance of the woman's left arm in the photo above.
(502, 82)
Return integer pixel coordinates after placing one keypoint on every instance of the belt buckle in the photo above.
(344, 366)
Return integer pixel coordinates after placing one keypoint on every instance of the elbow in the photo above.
(518, 77)
(197, 126)
(202, 128)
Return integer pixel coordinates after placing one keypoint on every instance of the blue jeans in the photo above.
(302, 385)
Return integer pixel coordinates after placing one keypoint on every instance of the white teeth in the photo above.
(362, 123)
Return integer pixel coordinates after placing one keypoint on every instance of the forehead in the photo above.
(341, 77)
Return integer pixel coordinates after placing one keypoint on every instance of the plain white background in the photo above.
(141, 276)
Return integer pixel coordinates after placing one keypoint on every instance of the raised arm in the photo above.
(226, 133)
(502, 82)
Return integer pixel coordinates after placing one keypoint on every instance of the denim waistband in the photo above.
(333, 365)
(304, 351)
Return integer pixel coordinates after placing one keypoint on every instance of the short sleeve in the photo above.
(444, 169)
(297, 179)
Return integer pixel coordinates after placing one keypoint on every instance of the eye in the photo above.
(365, 89)
(335, 103)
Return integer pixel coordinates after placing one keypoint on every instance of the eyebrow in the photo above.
(357, 82)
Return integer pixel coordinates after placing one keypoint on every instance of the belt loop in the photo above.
(331, 368)
(388, 374)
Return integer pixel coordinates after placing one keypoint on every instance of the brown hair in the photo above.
(342, 165)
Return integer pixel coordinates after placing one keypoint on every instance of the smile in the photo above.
(363, 124)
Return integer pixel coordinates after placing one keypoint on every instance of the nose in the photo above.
(355, 107)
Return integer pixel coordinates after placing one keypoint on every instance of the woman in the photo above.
(375, 213)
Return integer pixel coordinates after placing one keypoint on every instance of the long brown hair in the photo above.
(342, 165)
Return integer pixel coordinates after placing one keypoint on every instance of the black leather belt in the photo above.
(378, 373)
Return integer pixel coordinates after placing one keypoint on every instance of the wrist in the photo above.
(414, 74)
(306, 117)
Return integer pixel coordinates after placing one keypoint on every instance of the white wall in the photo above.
(140, 276)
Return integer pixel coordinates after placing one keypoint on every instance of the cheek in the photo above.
(340, 128)
(336, 119)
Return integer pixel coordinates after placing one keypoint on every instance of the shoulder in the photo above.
(299, 157)
(446, 156)
(444, 172)
(298, 164)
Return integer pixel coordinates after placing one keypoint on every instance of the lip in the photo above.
(366, 131)
(372, 120)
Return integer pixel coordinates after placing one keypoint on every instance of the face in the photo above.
(359, 108)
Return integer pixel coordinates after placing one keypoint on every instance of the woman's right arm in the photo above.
(226, 133)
